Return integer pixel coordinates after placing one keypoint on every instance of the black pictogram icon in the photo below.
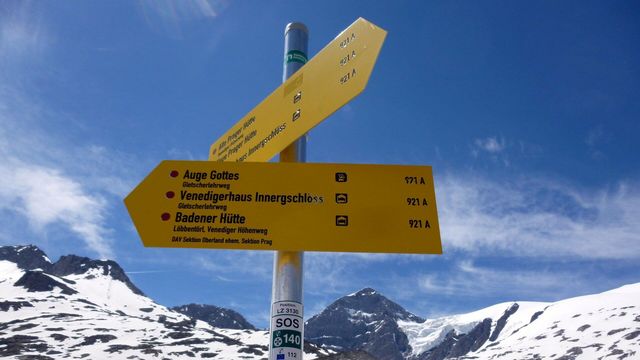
(297, 97)
(342, 220)
(341, 177)
(296, 115)
(342, 198)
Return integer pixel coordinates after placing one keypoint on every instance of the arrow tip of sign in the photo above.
(372, 25)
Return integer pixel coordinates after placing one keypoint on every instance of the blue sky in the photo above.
(527, 111)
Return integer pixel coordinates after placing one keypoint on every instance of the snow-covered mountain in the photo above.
(83, 308)
(600, 326)
(364, 320)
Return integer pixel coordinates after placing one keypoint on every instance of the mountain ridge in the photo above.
(92, 313)
(84, 307)
(30, 257)
(215, 316)
(358, 321)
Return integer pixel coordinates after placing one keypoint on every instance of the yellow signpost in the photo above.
(229, 203)
(333, 77)
(287, 206)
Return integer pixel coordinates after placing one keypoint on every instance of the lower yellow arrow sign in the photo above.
(287, 206)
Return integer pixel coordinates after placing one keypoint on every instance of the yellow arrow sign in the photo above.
(337, 74)
(287, 206)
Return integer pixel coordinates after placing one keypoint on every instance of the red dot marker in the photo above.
(174, 173)
(170, 194)
(165, 216)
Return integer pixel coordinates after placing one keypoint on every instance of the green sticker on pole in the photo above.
(296, 56)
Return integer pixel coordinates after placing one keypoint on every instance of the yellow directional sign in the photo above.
(287, 206)
(333, 77)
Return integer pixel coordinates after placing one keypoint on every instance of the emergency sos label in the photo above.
(286, 330)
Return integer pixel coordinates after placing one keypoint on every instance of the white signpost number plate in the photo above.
(286, 331)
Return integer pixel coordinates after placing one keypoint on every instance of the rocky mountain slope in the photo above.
(364, 320)
(600, 326)
(215, 316)
(82, 308)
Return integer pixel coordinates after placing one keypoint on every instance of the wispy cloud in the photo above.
(335, 273)
(183, 10)
(595, 138)
(47, 182)
(49, 185)
(169, 16)
(324, 273)
(529, 217)
(502, 150)
(142, 272)
(497, 149)
(492, 145)
(22, 34)
(46, 196)
(470, 280)
(236, 265)
(180, 154)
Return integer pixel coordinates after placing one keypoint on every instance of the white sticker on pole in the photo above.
(286, 331)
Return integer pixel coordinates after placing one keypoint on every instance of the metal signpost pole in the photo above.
(287, 325)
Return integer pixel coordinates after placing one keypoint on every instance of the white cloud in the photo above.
(17, 38)
(595, 136)
(594, 140)
(236, 265)
(52, 184)
(336, 273)
(492, 145)
(530, 217)
(169, 15)
(177, 10)
(22, 35)
(330, 272)
(144, 272)
(180, 154)
(48, 182)
(45, 197)
(469, 280)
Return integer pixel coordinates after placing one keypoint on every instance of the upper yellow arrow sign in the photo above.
(333, 77)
